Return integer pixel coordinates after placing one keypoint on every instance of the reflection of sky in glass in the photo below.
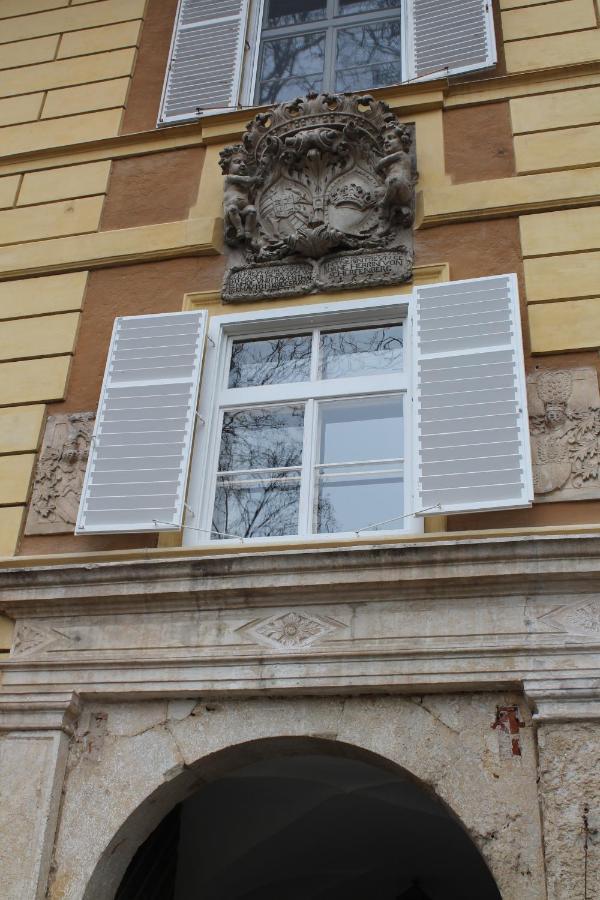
(350, 504)
(277, 360)
(261, 438)
(355, 430)
(294, 12)
(365, 351)
(350, 497)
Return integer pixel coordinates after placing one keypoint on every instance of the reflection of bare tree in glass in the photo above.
(327, 522)
(267, 510)
(299, 58)
(356, 352)
(274, 361)
(371, 52)
(259, 438)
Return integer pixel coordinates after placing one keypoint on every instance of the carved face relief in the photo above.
(322, 175)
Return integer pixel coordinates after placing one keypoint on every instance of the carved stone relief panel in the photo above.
(59, 474)
(564, 417)
(319, 196)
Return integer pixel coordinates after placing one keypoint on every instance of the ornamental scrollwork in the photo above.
(320, 176)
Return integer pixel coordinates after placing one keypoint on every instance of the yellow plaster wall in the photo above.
(63, 183)
(562, 265)
(533, 21)
(562, 149)
(568, 49)
(39, 318)
(559, 109)
(66, 71)
(20, 428)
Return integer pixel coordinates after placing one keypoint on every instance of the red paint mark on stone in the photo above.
(508, 725)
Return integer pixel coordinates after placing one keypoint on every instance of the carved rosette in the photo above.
(319, 196)
(60, 473)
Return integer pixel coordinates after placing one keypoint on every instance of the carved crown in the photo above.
(554, 386)
(340, 112)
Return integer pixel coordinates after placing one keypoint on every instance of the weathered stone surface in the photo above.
(60, 473)
(31, 775)
(570, 799)
(564, 413)
(112, 803)
(323, 175)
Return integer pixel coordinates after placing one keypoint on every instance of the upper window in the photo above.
(328, 45)
(231, 53)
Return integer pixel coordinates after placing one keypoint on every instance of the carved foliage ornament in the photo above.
(564, 413)
(319, 196)
(60, 473)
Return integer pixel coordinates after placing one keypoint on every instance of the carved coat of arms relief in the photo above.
(329, 178)
(564, 416)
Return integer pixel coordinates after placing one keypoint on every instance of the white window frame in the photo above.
(246, 73)
(222, 331)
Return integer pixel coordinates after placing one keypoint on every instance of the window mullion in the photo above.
(329, 67)
(306, 483)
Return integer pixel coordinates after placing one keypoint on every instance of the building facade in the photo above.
(325, 622)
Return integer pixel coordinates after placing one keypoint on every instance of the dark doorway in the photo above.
(310, 827)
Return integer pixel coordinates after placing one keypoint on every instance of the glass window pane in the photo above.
(291, 66)
(293, 12)
(368, 55)
(350, 7)
(257, 507)
(277, 360)
(362, 429)
(360, 471)
(364, 351)
(268, 437)
(351, 503)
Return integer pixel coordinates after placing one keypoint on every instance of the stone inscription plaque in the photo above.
(269, 280)
(332, 273)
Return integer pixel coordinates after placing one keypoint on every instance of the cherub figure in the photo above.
(397, 197)
(239, 212)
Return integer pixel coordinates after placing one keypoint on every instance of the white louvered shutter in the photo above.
(205, 64)
(444, 37)
(139, 456)
(470, 399)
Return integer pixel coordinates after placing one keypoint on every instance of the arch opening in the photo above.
(308, 822)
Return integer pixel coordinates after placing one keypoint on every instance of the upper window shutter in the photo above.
(205, 64)
(140, 452)
(444, 37)
(470, 401)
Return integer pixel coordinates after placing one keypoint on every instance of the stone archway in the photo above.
(152, 755)
(310, 819)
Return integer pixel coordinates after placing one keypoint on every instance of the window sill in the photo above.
(172, 552)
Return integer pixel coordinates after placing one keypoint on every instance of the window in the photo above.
(230, 53)
(331, 45)
(309, 433)
(346, 417)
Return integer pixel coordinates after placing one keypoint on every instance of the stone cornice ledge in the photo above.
(39, 712)
(146, 243)
(557, 565)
